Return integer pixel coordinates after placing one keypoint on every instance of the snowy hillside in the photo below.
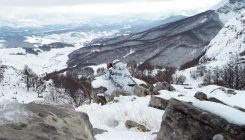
(13, 87)
(227, 9)
(48, 61)
(112, 116)
(229, 42)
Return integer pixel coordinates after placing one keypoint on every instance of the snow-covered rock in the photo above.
(116, 78)
(229, 42)
(227, 9)
(44, 121)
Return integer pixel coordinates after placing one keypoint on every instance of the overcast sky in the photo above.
(22, 9)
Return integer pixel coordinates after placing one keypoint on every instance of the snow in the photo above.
(228, 42)
(130, 52)
(229, 113)
(12, 112)
(48, 61)
(112, 117)
(117, 77)
(2, 44)
(14, 89)
(75, 38)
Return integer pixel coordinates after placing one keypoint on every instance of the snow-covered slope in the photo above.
(12, 87)
(229, 42)
(48, 61)
(112, 116)
(227, 9)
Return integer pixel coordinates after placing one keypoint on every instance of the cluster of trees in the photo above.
(79, 89)
(33, 81)
(147, 73)
(230, 76)
(1, 71)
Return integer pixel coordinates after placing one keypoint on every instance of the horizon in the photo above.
(47, 12)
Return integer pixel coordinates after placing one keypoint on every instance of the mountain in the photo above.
(172, 44)
(15, 34)
(227, 9)
(228, 44)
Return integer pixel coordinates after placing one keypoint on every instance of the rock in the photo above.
(187, 87)
(100, 99)
(163, 86)
(141, 92)
(182, 121)
(212, 99)
(158, 103)
(99, 90)
(181, 95)
(230, 91)
(145, 86)
(117, 93)
(130, 124)
(239, 108)
(201, 96)
(46, 121)
(99, 131)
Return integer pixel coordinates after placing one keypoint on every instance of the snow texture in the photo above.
(12, 112)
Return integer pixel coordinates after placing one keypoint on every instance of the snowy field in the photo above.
(112, 116)
(52, 60)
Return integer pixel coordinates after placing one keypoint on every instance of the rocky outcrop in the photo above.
(163, 86)
(201, 96)
(141, 91)
(132, 124)
(158, 103)
(118, 92)
(182, 121)
(47, 122)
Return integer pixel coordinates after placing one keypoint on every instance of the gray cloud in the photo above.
(64, 2)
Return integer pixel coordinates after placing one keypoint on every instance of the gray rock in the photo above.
(158, 103)
(212, 99)
(230, 91)
(163, 86)
(182, 121)
(131, 124)
(201, 96)
(141, 92)
(117, 93)
(47, 122)
(100, 100)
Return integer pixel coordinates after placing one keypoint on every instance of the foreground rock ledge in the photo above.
(182, 121)
(55, 122)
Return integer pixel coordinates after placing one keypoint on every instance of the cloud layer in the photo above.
(67, 2)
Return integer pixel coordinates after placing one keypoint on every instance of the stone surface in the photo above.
(56, 122)
(158, 103)
(141, 91)
(131, 124)
(163, 86)
(182, 121)
(201, 96)
(100, 100)
(230, 91)
(117, 93)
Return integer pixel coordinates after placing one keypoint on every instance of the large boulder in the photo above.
(141, 91)
(182, 121)
(45, 122)
(163, 86)
(158, 103)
